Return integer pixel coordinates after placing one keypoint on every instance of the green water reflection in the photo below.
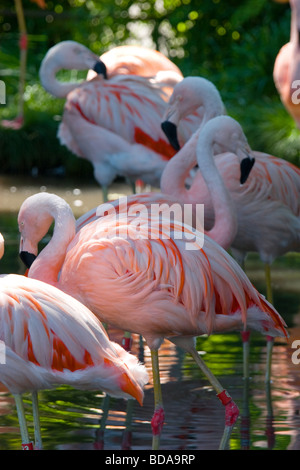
(194, 418)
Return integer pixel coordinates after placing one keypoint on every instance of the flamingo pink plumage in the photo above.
(51, 339)
(267, 205)
(135, 60)
(272, 190)
(113, 123)
(221, 129)
(157, 287)
(286, 72)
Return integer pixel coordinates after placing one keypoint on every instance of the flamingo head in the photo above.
(191, 95)
(227, 135)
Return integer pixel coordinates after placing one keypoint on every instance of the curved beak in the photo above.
(100, 68)
(246, 167)
(170, 131)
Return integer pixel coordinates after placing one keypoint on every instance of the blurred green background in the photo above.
(234, 44)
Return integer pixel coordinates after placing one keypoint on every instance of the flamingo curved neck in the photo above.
(176, 172)
(178, 169)
(48, 264)
(295, 22)
(48, 71)
(225, 227)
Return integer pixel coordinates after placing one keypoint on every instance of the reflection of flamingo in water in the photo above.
(51, 339)
(267, 206)
(155, 287)
(114, 123)
(17, 123)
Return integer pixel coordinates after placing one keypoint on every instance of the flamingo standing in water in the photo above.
(286, 72)
(224, 229)
(51, 339)
(267, 205)
(113, 123)
(161, 289)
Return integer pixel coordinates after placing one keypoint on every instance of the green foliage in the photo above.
(234, 44)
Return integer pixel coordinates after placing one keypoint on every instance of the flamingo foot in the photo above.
(28, 446)
(231, 415)
(127, 343)
(157, 423)
(14, 124)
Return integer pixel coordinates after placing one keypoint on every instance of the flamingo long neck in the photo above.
(48, 71)
(178, 170)
(48, 264)
(225, 227)
(295, 22)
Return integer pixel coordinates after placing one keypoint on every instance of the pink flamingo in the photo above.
(157, 287)
(50, 339)
(135, 60)
(18, 122)
(267, 205)
(221, 129)
(286, 73)
(113, 123)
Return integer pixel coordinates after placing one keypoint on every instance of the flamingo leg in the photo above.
(99, 444)
(105, 193)
(231, 409)
(26, 444)
(270, 339)
(36, 420)
(246, 353)
(268, 283)
(159, 415)
(23, 55)
(126, 441)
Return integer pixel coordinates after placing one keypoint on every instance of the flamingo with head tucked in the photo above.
(50, 339)
(113, 123)
(135, 60)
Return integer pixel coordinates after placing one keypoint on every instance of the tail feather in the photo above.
(279, 322)
(266, 319)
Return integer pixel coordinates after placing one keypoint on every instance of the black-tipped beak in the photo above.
(170, 131)
(27, 258)
(246, 166)
(100, 68)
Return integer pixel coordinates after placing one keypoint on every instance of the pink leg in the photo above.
(159, 414)
(157, 421)
(231, 409)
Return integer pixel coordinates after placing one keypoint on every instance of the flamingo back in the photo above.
(169, 282)
(50, 339)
